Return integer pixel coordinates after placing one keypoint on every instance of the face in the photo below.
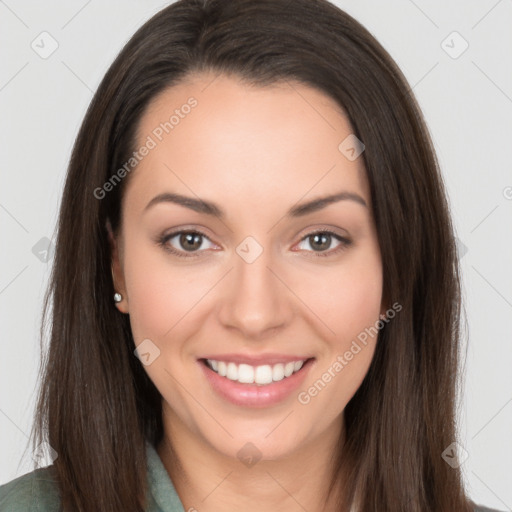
(251, 280)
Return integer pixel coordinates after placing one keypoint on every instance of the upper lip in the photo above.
(256, 360)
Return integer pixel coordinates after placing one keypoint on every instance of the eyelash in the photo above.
(162, 242)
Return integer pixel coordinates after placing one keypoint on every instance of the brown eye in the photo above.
(182, 242)
(190, 241)
(321, 241)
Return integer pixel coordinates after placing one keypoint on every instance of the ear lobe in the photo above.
(116, 270)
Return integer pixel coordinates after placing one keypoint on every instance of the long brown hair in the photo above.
(97, 406)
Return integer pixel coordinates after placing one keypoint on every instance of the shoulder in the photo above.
(35, 488)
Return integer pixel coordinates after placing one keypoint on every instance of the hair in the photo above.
(97, 406)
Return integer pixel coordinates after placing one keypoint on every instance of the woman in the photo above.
(255, 292)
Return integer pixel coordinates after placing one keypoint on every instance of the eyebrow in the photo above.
(210, 208)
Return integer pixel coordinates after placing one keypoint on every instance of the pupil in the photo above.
(324, 243)
(190, 241)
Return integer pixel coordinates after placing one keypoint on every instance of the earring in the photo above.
(117, 296)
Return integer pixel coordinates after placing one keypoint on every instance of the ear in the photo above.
(383, 307)
(117, 269)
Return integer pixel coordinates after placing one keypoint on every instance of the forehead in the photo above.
(217, 138)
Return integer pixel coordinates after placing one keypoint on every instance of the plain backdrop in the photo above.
(457, 57)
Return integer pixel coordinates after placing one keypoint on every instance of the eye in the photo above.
(179, 243)
(319, 241)
(182, 242)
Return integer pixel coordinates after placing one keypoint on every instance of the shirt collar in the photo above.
(162, 494)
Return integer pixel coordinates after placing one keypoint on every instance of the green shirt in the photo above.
(37, 491)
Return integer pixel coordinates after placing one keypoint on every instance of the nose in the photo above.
(256, 302)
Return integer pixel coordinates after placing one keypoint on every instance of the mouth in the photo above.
(255, 385)
(260, 375)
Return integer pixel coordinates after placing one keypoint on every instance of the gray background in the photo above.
(467, 102)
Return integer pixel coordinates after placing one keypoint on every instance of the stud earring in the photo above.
(117, 296)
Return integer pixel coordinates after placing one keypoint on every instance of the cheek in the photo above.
(158, 294)
(358, 300)
(351, 308)
(347, 298)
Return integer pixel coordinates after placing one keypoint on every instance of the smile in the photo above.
(261, 375)
(255, 385)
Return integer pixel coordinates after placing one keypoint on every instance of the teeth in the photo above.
(247, 374)
(288, 369)
(263, 374)
(232, 373)
(223, 369)
(278, 372)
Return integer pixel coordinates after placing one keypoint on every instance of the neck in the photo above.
(208, 480)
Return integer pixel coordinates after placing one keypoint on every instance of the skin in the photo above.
(256, 152)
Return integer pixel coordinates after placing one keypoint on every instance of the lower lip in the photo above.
(252, 395)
